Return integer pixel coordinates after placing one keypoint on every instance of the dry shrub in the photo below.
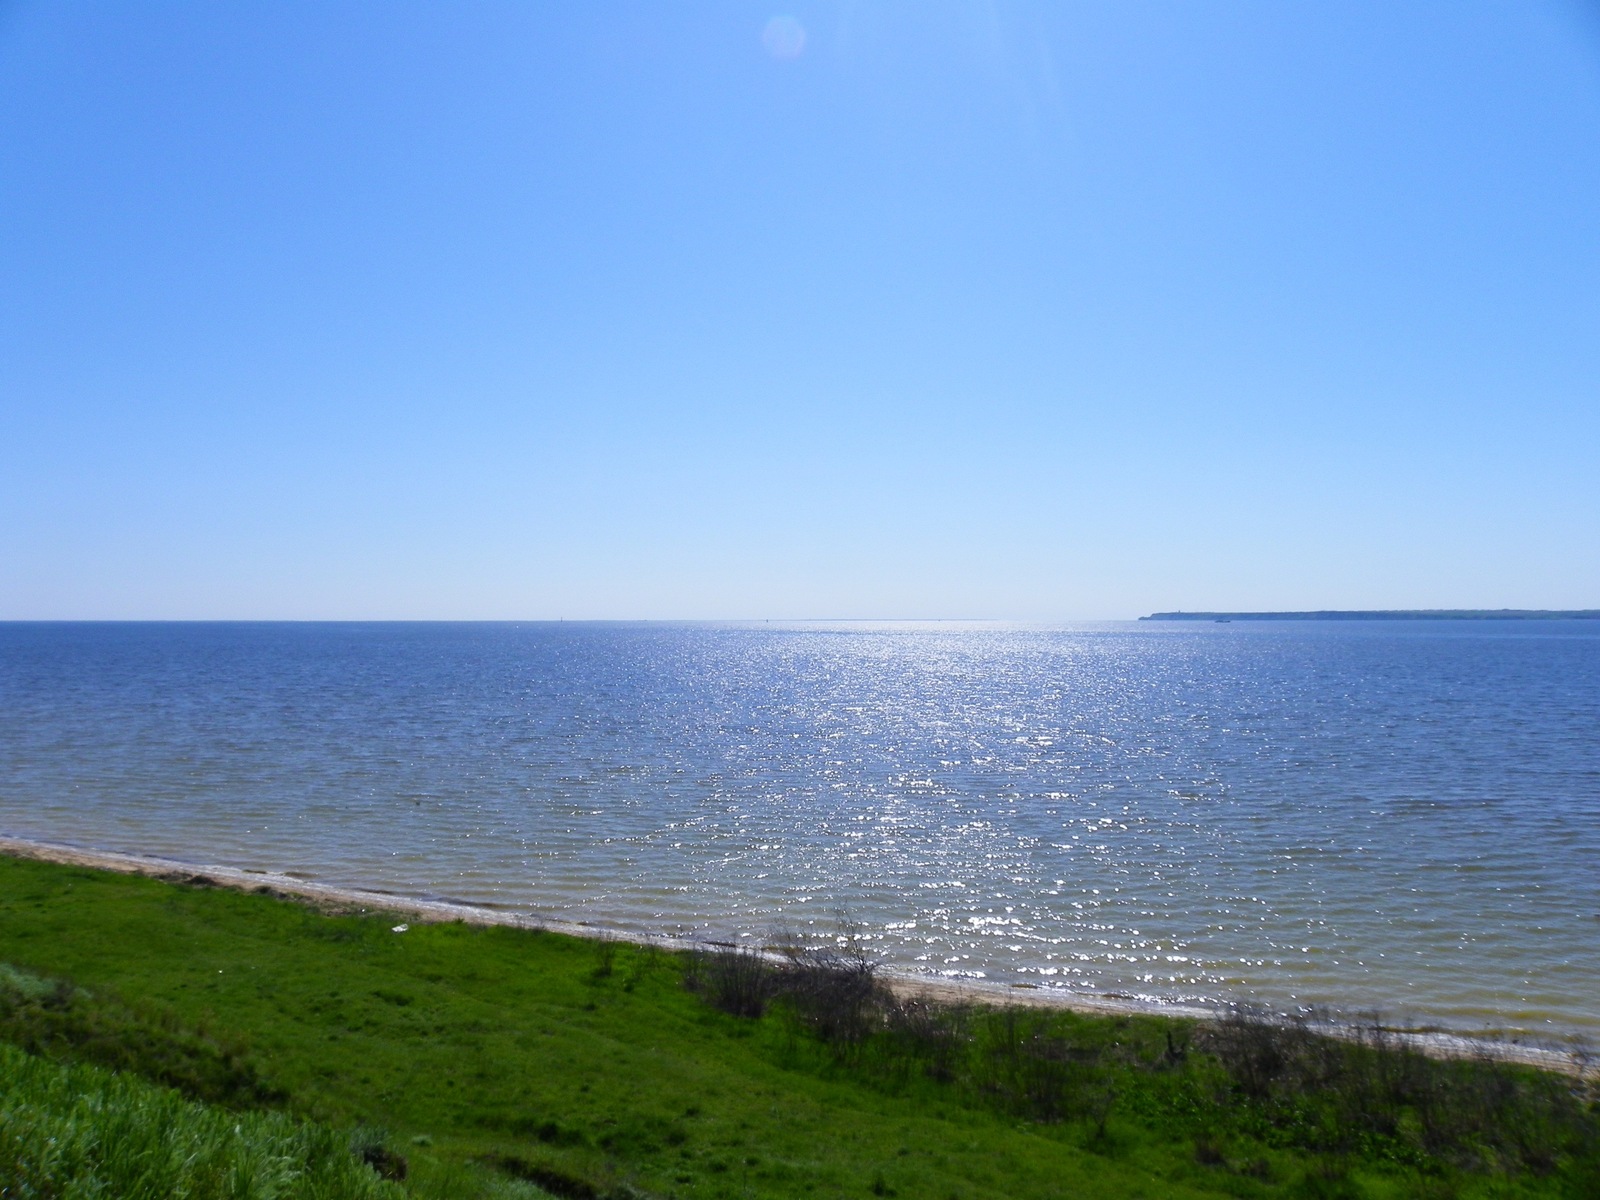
(733, 979)
(834, 990)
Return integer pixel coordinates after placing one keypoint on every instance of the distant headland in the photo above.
(1391, 614)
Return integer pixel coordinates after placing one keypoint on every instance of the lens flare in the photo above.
(784, 37)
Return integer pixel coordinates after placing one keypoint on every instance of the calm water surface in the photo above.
(1394, 814)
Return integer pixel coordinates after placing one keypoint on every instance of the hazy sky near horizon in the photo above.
(1034, 311)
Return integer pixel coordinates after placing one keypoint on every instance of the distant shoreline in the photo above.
(1434, 1042)
(1391, 614)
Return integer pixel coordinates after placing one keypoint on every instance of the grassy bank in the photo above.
(494, 1055)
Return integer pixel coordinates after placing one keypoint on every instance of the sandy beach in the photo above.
(1575, 1060)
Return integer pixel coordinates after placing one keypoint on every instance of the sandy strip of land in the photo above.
(1571, 1061)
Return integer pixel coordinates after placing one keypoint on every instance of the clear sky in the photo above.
(1034, 311)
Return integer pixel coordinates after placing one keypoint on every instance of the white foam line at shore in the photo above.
(1434, 1043)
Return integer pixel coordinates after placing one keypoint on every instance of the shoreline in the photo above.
(1435, 1043)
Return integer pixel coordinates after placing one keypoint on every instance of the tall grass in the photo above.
(80, 1131)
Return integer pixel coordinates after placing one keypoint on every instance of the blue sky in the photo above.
(1013, 311)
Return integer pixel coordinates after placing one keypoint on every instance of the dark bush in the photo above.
(834, 991)
(731, 978)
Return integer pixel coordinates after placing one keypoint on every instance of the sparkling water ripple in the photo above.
(1394, 814)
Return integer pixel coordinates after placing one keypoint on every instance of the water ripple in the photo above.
(1401, 815)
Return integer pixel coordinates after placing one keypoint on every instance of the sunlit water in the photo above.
(1404, 815)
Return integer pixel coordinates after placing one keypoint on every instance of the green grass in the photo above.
(80, 1131)
(589, 1069)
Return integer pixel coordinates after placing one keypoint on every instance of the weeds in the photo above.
(605, 957)
(932, 1036)
(1357, 1090)
(1021, 1062)
(1367, 1091)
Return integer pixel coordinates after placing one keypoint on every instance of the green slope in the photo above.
(587, 1067)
